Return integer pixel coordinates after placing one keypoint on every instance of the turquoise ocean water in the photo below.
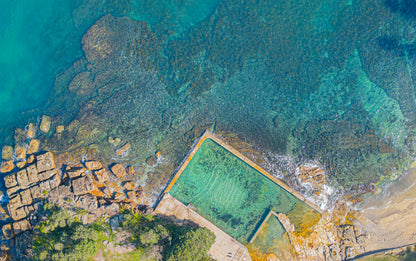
(326, 81)
(38, 39)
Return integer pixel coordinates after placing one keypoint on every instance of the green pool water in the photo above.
(233, 195)
(272, 238)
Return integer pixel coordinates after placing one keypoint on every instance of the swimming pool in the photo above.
(232, 194)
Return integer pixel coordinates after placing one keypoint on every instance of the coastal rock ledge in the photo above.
(87, 190)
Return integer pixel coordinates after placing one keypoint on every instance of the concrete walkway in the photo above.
(225, 247)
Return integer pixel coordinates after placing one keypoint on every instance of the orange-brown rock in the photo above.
(102, 175)
(8, 231)
(45, 124)
(44, 187)
(16, 209)
(60, 128)
(31, 131)
(31, 159)
(15, 202)
(33, 146)
(36, 192)
(32, 173)
(10, 180)
(131, 195)
(20, 151)
(22, 178)
(6, 152)
(93, 165)
(119, 196)
(75, 172)
(45, 161)
(11, 191)
(21, 164)
(21, 226)
(158, 154)
(26, 197)
(123, 151)
(119, 170)
(47, 174)
(313, 175)
(6, 166)
(130, 170)
(129, 185)
(3, 214)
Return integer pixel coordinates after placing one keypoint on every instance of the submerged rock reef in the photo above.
(337, 102)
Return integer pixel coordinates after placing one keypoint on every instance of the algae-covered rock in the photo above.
(124, 150)
(114, 142)
(34, 145)
(21, 164)
(31, 131)
(20, 151)
(119, 170)
(6, 152)
(3, 214)
(102, 175)
(151, 160)
(97, 42)
(130, 170)
(31, 159)
(60, 128)
(45, 124)
(6, 166)
(93, 165)
(7, 231)
(129, 185)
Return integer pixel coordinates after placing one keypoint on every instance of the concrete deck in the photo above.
(225, 247)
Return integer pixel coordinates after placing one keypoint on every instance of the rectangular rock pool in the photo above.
(232, 194)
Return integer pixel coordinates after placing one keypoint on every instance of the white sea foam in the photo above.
(287, 168)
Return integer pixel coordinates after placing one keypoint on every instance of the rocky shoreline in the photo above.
(33, 177)
(90, 189)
